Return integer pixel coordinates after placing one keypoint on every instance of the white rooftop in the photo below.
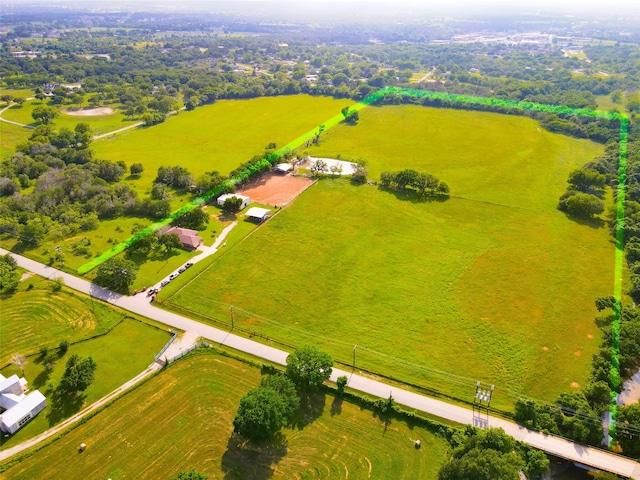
(257, 212)
(31, 401)
(231, 195)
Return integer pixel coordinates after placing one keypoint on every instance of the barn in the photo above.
(245, 200)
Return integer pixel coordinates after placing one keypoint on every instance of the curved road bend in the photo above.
(560, 447)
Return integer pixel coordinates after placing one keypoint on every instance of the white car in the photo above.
(172, 276)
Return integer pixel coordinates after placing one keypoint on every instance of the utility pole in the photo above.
(231, 314)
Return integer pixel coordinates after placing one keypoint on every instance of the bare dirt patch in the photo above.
(276, 189)
(89, 112)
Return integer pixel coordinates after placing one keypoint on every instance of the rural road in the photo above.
(10, 121)
(558, 446)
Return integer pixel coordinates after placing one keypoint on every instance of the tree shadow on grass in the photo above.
(336, 406)
(407, 195)
(311, 408)
(255, 460)
(41, 379)
(594, 223)
(63, 405)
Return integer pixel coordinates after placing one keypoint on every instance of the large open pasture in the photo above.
(37, 317)
(182, 419)
(493, 283)
(220, 136)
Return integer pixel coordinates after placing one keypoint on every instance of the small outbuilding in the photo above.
(245, 200)
(283, 168)
(258, 214)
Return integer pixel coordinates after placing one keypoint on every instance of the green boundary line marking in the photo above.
(272, 158)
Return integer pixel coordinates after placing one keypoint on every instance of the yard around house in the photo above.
(36, 317)
(493, 284)
(194, 401)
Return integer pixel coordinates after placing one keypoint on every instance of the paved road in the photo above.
(108, 134)
(555, 445)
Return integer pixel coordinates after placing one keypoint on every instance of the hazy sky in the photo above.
(489, 6)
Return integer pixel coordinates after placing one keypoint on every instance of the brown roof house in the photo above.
(189, 238)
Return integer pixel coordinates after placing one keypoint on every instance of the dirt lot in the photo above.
(90, 112)
(276, 189)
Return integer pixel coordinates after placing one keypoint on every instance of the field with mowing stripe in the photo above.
(35, 317)
(219, 136)
(182, 419)
(46, 319)
(493, 284)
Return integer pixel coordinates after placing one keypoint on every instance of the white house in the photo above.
(17, 406)
(245, 200)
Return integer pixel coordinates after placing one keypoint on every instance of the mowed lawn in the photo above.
(493, 284)
(33, 317)
(220, 136)
(182, 419)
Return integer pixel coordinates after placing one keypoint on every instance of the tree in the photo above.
(406, 177)
(78, 374)
(190, 475)
(19, 361)
(261, 413)
(586, 180)
(63, 346)
(359, 175)
(19, 100)
(169, 241)
(584, 205)
(342, 384)
(350, 116)
(9, 274)
(627, 429)
(286, 389)
(232, 205)
(136, 168)
(196, 219)
(482, 465)
(319, 166)
(117, 274)
(33, 232)
(45, 114)
(308, 367)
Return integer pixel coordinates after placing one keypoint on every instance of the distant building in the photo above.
(283, 168)
(245, 200)
(17, 406)
(189, 238)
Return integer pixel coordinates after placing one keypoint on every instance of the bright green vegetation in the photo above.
(10, 135)
(219, 136)
(99, 123)
(193, 403)
(33, 317)
(494, 283)
(130, 339)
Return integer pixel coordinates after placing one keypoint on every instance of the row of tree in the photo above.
(425, 184)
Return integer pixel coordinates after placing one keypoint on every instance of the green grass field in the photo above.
(100, 123)
(46, 319)
(33, 317)
(10, 135)
(182, 419)
(492, 284)
(219, 136)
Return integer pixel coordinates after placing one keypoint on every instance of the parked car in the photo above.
(188, 264)
(165, 283)
(172, 276)
(182, 269)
